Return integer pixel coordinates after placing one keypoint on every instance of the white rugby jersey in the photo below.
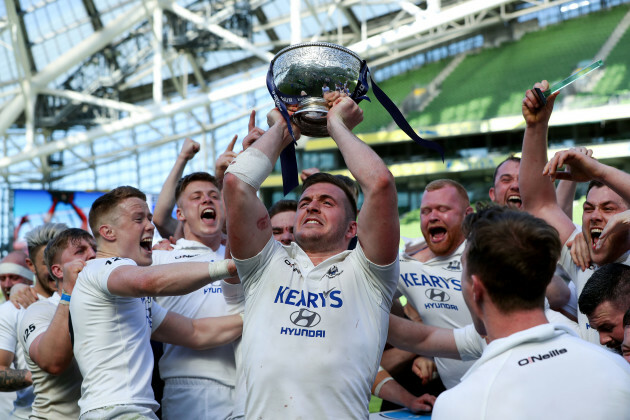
(434, 289)
(216, 363)
(313, 335)
(10, 318)
(112, 339)
(539, 372)
(56, 396)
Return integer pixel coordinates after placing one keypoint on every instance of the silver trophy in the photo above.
(308, 76)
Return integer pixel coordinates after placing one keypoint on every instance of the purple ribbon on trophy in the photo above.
(301, 76)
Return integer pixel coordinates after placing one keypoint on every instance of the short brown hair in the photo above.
(103, 205)
(510, 158)
(282, 206)
(323, 177)
(514, 254)
(438, 184)
(609, 283)
(195, 176)
(59, 243)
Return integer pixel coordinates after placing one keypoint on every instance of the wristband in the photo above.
(219, 270)
(252, 167)
(377, 390)
(65, 299)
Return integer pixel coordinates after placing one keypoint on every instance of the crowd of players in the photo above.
(297, 311)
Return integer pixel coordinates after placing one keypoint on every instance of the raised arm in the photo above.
(226, 158)
(585, 168)
(162, 218)
(378, 224)
(52, 350)
(537, 191)
(167, 279)
(421, 338)
(248, 224)
(199, 334)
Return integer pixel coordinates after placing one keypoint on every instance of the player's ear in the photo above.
(491, 194)
(107, 232)
(352, 229)
(56, 271)
(30, 265)
(478, 289)
(180, 215)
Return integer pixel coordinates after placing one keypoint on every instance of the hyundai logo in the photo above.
(305, 318)
(437, 295)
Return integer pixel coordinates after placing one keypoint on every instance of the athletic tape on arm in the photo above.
(252, 167)
(218, 270)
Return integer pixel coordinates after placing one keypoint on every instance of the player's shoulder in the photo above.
(40, 310)
(7, 310)
(98, 264)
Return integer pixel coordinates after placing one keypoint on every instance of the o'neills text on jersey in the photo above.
(534, 359)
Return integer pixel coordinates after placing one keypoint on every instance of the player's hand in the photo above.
(253, 132)
(71, 271)
(346, 112)
(164, 245)
(308, 172)
(422, 403)
(584, 167)
(232, 268)
(224, 160)
(533, 110)
(580, 254)
(618, 223)
(22, 295)
(424, 368)
(275, 117)
(330, 97)
(189, 149)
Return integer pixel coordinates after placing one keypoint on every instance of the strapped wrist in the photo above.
(65, 299)
(252, 167)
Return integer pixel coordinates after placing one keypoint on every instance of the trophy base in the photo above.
(311, 117)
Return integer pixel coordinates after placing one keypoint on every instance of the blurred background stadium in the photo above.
(100, 93)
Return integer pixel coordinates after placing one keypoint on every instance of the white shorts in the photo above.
(120, 412)
(194, 398)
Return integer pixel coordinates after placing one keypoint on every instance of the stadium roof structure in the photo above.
(88, 84)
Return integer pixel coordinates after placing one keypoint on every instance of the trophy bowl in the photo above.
(308, 75)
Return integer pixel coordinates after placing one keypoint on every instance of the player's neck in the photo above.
(105, 252)
(318, 257)
(426, 254)
(500, 325)
(213, 242)
(40, 290)
(423, 255)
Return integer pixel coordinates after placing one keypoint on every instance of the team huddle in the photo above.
(295, 312)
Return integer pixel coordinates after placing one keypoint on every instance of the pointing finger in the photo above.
(252, 121)
(232, 143)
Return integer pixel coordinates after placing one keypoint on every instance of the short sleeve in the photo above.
(251, 269)
(35, 322)
(469, 343)
(106, 270)
(382, 278)
(8, 327)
